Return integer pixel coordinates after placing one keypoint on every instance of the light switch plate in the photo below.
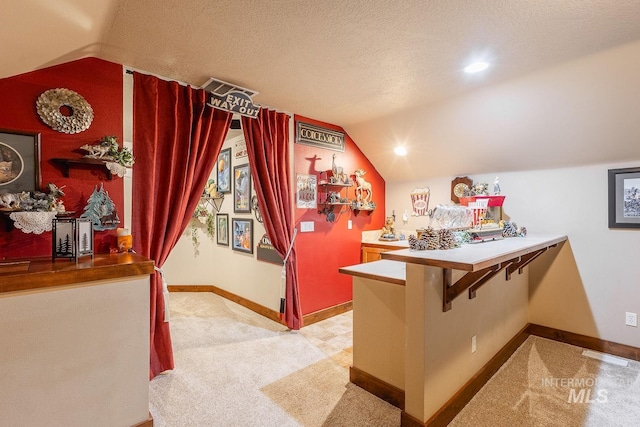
(306, 226)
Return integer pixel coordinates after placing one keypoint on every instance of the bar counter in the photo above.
(413, 328)
(75, 341)
(44, 272)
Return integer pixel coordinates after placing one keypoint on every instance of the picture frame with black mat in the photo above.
(624, 198)
(19, 161)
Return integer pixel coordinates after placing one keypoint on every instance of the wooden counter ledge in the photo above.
(383, 270)
(45, 273)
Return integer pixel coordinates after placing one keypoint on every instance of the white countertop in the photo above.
(382, 270)
(477, 256)
(393, 243)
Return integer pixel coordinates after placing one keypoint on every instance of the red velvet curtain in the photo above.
(176, 140)
(267, 139)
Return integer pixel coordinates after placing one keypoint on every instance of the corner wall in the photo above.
(100, 84)
(320, 253)
(218, 265)
(332, 244)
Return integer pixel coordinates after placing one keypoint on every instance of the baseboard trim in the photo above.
(377, 387)
(585, 341)
(189, 288)
(146, 423)
(407, 420)
(260, 309)
(317, 316)
(307, 319)
(450, 409)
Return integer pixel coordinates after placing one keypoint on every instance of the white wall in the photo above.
(76, 355)
(236, 272)
(600, 265)
(581, 112)
(574, 118)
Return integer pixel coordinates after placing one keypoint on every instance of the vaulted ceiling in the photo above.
(343, 62)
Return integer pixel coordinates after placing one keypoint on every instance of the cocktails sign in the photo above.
(319, 137)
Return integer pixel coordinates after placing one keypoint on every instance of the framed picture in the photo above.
(624, 198)
(242, 189)
(242, 230)
(19, 161)
(240, 149)
(306, 191)
(224, 171)
(222, 226)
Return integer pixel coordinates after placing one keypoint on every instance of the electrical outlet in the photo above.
(473, 344)
(631, 319)
(349, 224)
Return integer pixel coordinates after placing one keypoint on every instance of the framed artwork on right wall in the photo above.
(624, 198)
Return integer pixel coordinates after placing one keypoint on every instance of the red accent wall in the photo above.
(100, 83)
(332, 245)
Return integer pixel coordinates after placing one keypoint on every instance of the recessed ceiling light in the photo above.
(400, 151)
(476, 67)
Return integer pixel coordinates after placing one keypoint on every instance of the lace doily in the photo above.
(33, 222)
(116, 168)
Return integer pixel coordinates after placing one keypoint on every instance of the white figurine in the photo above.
(496, 186)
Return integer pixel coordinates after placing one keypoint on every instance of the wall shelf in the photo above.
(330, 196)
(82, 162)
(214, 202)
(357, 211)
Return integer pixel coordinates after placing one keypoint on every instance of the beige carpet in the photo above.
(237, 368)
(546, 383)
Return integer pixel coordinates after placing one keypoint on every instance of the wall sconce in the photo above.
(72, 238)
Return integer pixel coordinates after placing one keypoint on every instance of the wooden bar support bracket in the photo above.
(524, 260)
(450, 291)
(475, 279)
(485, 279)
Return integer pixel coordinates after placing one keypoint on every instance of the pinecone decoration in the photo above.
(510, 229)
(417, 244)
(432, 243)
(429, 239)
(522, 231)
(447, 239)
(413, 242)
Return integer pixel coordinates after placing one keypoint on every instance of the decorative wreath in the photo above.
(48, 106)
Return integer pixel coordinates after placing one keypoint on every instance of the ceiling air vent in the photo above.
(222, 88)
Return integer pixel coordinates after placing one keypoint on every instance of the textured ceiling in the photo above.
(344, 62)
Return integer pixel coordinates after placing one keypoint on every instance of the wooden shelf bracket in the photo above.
(524, 260)
(475, 279)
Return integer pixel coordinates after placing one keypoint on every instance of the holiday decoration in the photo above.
(101, 210)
